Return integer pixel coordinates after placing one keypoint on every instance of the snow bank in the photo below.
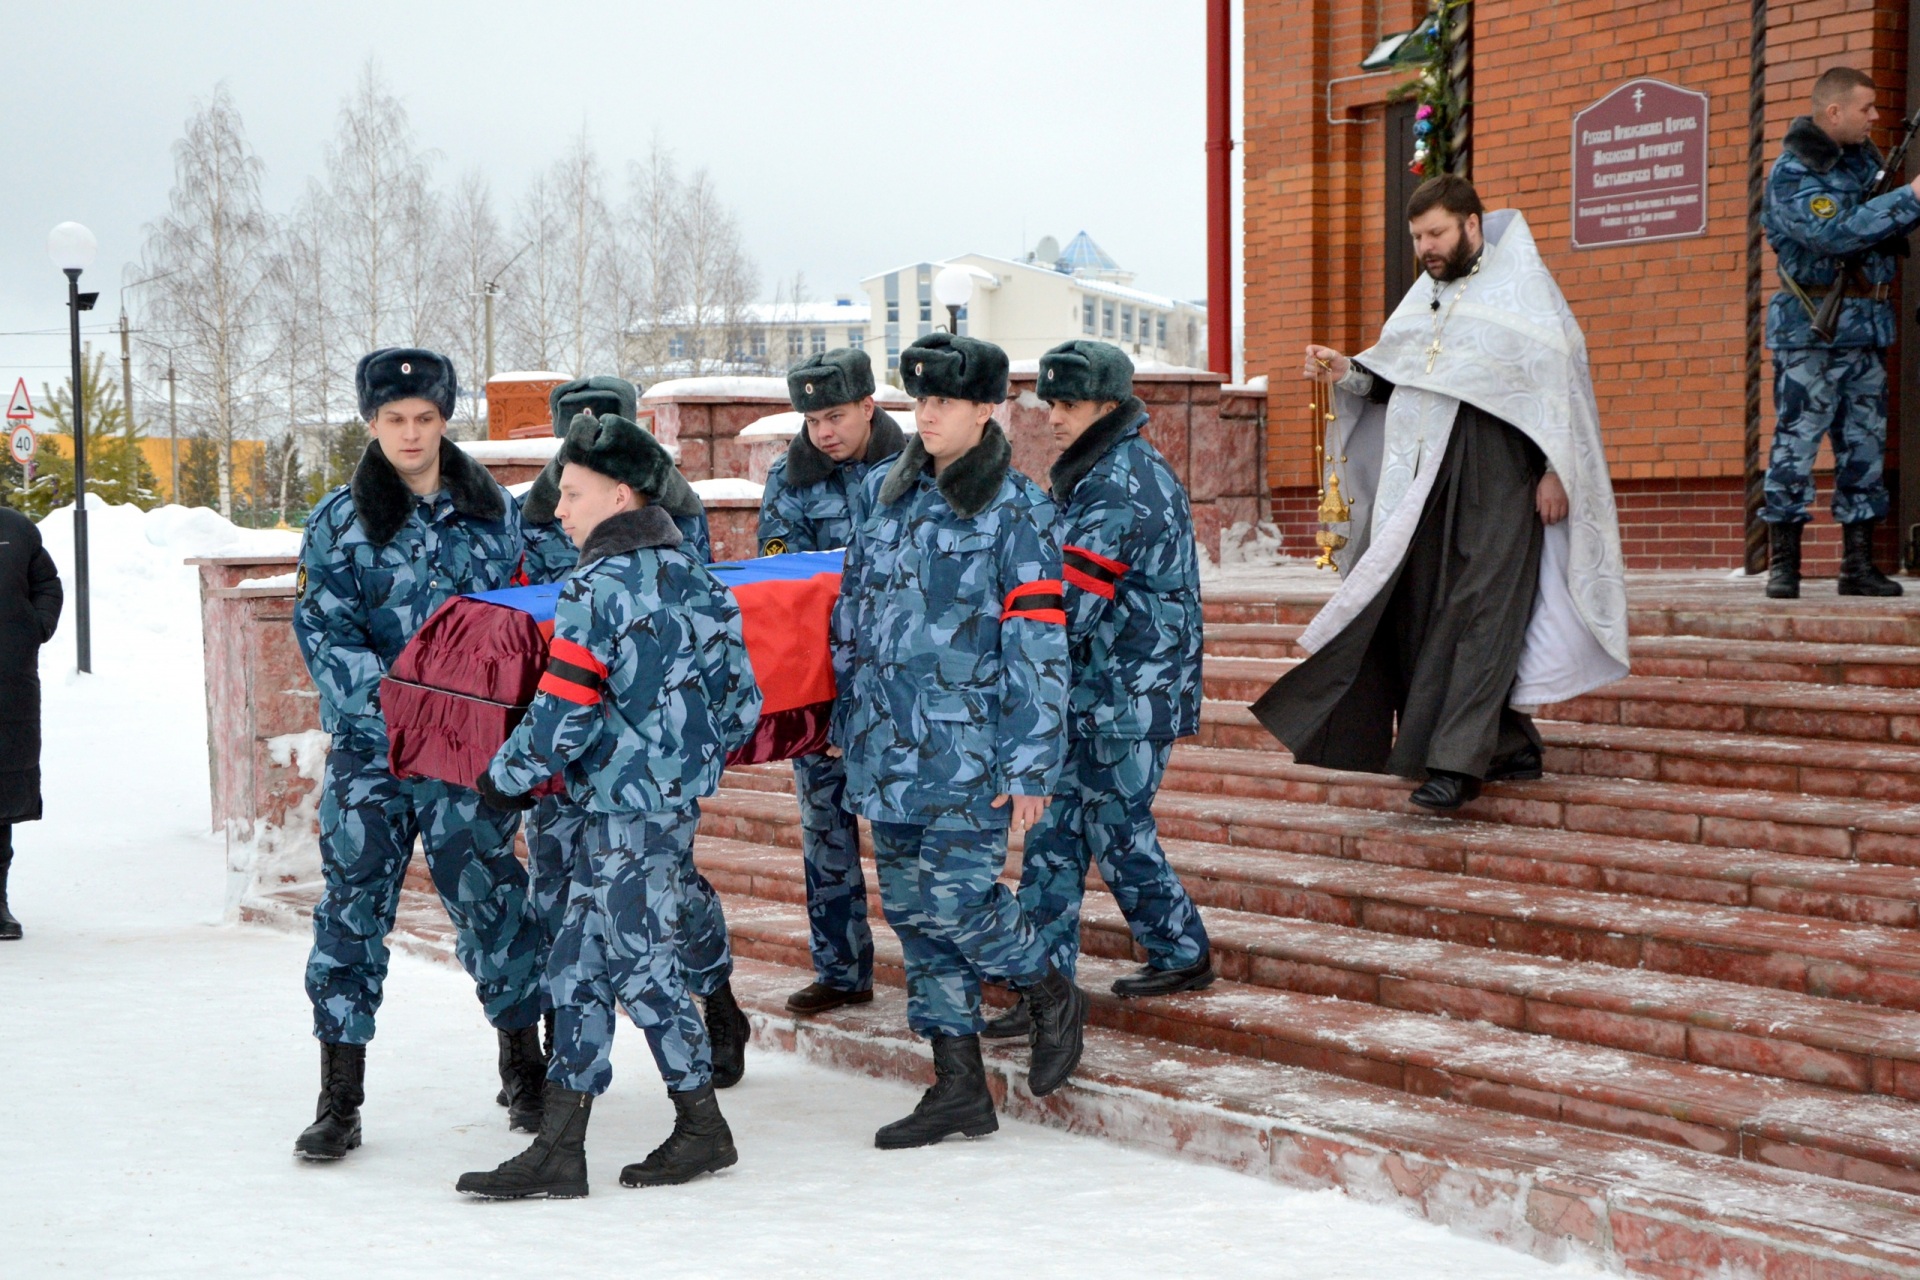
(716, 490)
(530, 375)
(774, 426)
(727, 388)
(533, 448)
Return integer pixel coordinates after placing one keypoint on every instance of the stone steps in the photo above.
(1753, 762)
(1843, 829)
(1707, 1021)
(1768, 1120)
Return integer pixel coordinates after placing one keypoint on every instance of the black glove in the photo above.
(494, 798)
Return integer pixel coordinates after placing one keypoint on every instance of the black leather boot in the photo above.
(10, 930)
(1015, 1024)
(546, 1025)
(523, 1077)
(1783, 561)
(336, 1123)
(1858, 577)
(1150, 981)
(959, 1101)
(554, 1167)
(1059, 1011)
(818, 997)
(727, 1033)
(700, 1143)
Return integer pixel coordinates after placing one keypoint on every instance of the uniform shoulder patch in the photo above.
(1823, 206)
(774, 547)
(300, 584)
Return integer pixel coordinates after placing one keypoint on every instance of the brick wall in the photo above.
(1665, 322)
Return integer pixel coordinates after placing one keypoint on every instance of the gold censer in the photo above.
(1333, 508)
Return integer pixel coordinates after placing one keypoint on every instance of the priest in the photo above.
(1482, 573)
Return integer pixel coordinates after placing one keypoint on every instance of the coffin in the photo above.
(465, 680)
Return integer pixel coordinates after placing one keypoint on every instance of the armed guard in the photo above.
(1134, 634)
(420, 523)
(808, 506)
(1822, 223)
(556, 825)
(647, 689)
(951, 651)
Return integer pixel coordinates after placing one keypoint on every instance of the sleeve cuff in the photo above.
(1358, 381)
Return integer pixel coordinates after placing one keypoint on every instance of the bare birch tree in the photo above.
(214, 250)
(475, 253)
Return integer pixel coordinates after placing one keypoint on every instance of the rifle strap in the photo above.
(1793, 287)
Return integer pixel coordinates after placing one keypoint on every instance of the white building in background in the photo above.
(1029, 306)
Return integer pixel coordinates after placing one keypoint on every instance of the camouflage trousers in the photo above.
(619, 947)
(1840, 394)
(837, 930)
(368, 822)
(556, 837)
(1103, 814)
(956, 922)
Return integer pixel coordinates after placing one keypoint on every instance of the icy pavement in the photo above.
(158, 1066)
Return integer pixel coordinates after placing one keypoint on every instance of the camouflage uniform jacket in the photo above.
(1132, 584)
(375, 561)
(949, 638)
(551, 554)
(809, 499)
(1816, 214)
(647, 686)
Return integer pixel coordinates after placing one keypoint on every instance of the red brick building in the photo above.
(1685, 390)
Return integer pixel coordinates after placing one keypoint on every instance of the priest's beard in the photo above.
(1457, 262)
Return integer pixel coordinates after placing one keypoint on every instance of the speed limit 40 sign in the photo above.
(22, 443)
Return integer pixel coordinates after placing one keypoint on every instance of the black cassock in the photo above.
(1436, 651)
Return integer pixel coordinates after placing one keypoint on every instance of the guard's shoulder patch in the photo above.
(774, 547)
(300, 584)
(1823, 206)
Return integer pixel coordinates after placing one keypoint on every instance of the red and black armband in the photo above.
(573, 673)
(1043, 600)
(1091, 571)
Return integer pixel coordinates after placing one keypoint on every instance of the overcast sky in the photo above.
(849, 137)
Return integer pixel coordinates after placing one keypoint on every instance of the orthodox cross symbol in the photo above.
(1433, 352)
(1639, 97)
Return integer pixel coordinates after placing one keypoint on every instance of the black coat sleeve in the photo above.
(43, 589)
(1381, 387)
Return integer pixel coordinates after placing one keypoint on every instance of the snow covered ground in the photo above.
(158, 1065)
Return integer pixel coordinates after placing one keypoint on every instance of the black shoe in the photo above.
(1858, 577)
(1445, 791)
(1059, 1011)
(1783, 561)
(336, 1123)
(1165, 982)
(818, 997)
(546, 1024)
(523, 1078)
(727, 1033)
(1015, 1024)
(1524, 765)
(959, 1101)
(700, 1143)
(554, 1167)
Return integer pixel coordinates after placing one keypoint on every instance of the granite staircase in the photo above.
(1660, 1008)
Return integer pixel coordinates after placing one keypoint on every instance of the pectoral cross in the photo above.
(1433, 352)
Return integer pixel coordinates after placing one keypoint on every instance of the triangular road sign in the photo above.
(19, 408)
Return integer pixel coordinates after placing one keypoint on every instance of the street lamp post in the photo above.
(72, 248)
(954, 287)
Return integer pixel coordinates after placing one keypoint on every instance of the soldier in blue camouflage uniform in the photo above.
(555, 825)
(420, 523)
(1134, 632)
(1817, 213)
(808, 506)
(950, 648)
(647, 689)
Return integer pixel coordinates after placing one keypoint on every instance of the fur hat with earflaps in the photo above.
(961, 368)
(600, 396)
(1083, 369)
(841, 376)
(620, 449)
(404, 373)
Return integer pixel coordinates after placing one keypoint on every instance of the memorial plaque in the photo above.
(1640, 166)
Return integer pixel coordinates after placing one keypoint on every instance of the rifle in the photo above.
(1827, 319)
